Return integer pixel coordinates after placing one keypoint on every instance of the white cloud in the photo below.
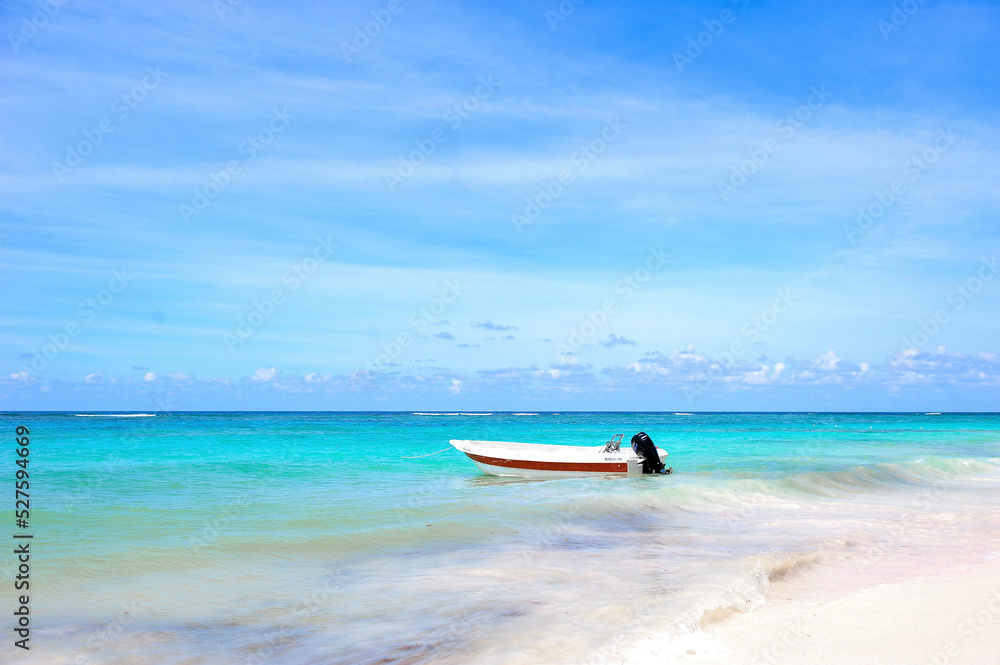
(316, 377)
(150, 376)
(263, 375)
(925, 367)
(827, 362)
(662, 378)
(765, 375)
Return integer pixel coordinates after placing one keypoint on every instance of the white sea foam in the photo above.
(115, 415)
(427, 413)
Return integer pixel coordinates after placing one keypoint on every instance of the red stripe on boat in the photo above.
(597, 467)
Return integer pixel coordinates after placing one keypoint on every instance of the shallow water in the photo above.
(311, 537)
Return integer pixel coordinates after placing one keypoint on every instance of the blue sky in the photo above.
(525, 206)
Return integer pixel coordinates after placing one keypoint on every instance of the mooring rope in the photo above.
(428, 454)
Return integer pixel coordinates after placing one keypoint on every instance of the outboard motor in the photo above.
(644, 448)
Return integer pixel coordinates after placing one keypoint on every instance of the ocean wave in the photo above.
(738, 499)
(115, 415)
(724, 500)
(659, 639)
(920, 473)
(426, 413)
(780, 566)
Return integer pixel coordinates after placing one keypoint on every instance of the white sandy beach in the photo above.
(950, 619)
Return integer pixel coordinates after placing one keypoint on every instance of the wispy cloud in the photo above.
(489, 325)
(617, 340)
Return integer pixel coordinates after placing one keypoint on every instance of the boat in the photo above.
(541, 460)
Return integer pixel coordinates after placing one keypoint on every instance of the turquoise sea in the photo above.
(362, 538)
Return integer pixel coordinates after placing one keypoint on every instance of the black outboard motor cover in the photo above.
(644, 448)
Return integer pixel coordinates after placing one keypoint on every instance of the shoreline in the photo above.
(947, 619)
